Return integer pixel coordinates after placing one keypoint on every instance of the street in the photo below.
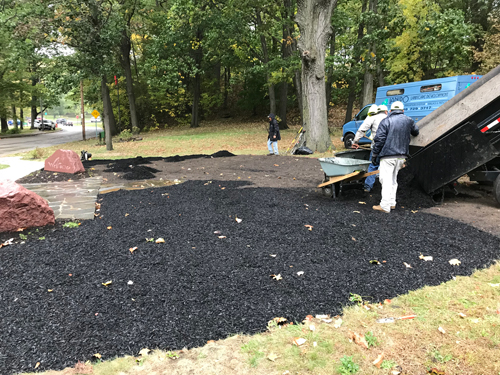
(9, 146)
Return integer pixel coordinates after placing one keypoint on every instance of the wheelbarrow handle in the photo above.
(407, 317)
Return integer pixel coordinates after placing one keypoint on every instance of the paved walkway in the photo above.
(18, 168)
(70, 200)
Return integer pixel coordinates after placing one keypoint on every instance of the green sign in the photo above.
(45, 113)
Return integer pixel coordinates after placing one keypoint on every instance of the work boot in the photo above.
(271, 154)
(379, 208)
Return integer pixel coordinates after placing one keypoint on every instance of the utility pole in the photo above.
(83, 110)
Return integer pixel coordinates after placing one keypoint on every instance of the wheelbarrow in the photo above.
(345, 168)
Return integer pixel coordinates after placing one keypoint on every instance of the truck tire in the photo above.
(496, 189)
(348, 138)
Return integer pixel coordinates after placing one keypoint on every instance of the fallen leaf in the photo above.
(414, 212)
(475, 321)
(110, 227)
(273, 255)
(97, 206)
(387, 301)
(150, 239)
(362, 202)
(276, 165)
(315, 344)
(426, 258)
(130, 282)
(97, 355)
(494, 285)
(37, 365)
(160, 240)
(277, 277)
(210, 341)
(127, 214)
(107, 283)
(441, 329)
(50, 290)
(144, 352)
(435, 371)
(327, 321)
(20, 229)
(221, 237)
(272, 357)
(375, 261)
(299, 341)
(132, 249)
(356, 212)
(312, 327)
(407, 265)
(238, 220)
(300, 273)
(353, 238)
(360, 340)
(378, 361)
(454, 262)
(308, 318)
(462, 315)
(338, 323)
(322, 316)
(310, 227)
(217, 232)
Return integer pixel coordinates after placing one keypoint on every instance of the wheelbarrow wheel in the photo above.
(332, 191)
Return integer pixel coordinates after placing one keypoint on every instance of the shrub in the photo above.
(37, 153)
(126, 134)
(13, 131)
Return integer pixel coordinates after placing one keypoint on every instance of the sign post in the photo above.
(96, 114)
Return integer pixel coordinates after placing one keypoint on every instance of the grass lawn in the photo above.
(238, 138)
(3, 166)
(456, 331)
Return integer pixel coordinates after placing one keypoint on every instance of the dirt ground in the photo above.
(474, 205)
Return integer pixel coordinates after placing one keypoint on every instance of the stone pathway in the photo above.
(70, 200)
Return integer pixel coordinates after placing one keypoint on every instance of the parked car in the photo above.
(69, 123)
(47, 125)
(419, 98)
(61, 121)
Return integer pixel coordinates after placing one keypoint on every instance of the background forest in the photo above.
(182, 61)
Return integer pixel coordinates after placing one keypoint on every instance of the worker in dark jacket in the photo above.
(274, 135)
(391, 148)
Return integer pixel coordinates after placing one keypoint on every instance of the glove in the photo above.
(375, 159)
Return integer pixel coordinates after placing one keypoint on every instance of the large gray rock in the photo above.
(21, 208)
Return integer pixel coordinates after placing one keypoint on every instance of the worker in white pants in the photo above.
(391, 147)
(388, 177)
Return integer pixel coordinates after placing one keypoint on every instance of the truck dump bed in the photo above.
(460, 136)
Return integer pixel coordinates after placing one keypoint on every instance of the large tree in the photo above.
(313, 18)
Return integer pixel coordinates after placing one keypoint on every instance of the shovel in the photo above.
(392, 320)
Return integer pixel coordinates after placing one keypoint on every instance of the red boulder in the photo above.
(21, 208)
(66, 161)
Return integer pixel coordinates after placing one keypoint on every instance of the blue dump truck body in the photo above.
(419, 98)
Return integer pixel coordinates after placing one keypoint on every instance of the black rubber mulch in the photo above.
(43, 176)
(196, 287)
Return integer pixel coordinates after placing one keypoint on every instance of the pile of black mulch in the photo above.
(48, 176)
(211, 277)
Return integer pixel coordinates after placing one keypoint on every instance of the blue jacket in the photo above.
(393, 135)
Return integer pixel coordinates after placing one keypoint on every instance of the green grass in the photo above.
(4, 166)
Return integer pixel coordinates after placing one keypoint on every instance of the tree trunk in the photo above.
(283, 105)
(125, 62)
(369, 62)
(22, 117)
(227, 78)
(109, 117)
(5, 126)
(286, 52)
(314, 20)
(14, 116)
(329, 77)
(353, 81)
(198, 56)
(263, 42)
(82, 112)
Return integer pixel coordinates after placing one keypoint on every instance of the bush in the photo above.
(125, 134)
(37, 153)
(13, 131)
